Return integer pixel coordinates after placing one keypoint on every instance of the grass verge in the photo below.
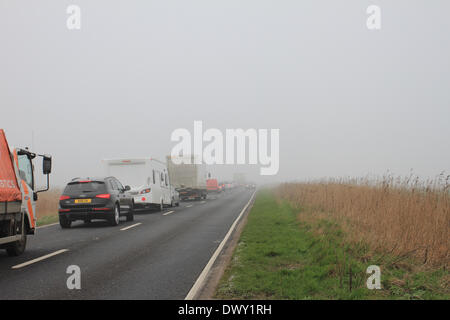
(47, 220)
(287, 254)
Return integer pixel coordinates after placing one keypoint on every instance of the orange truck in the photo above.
(18, 195)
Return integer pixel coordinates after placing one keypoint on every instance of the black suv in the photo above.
(95, 198)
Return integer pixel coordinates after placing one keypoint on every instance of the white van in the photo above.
(148, 179)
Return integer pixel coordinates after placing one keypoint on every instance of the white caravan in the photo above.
(147, 177)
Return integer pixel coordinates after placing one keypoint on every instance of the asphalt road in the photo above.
(160, 258)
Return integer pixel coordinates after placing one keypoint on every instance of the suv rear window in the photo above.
(74, 188)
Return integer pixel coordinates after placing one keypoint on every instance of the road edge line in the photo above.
(47, 225)
(200, 282)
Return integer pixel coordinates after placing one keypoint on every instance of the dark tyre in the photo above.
(64, 222)
(18, 247)
(130, 213)
(114, 219)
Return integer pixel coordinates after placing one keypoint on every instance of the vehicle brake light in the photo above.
(64, 197)
(143, 199)
(64, 210)
(103, 196)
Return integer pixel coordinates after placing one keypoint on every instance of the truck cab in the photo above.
(18, 195)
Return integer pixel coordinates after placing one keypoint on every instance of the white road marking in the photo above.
(132, 226)
(201, 279)
(39, 259)
(165, 214)
(47, 225)
(188, 206)
(203, 202)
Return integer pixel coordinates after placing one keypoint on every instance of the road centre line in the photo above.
(132, 226)
(169, 212)
(18, 266)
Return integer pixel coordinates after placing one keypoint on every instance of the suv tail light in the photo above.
(103, 196)
(63, 197)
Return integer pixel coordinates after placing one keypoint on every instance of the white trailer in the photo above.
(148, 179)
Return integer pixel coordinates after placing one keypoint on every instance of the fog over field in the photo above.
(348, 101)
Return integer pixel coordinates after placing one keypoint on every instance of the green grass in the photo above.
(47, 220)
(282, 256)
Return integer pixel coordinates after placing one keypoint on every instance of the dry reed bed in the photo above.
(402, 217)
(47, 204)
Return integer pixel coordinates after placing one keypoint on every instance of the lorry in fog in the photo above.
(188, 178)
(148, 179)
(18, 195)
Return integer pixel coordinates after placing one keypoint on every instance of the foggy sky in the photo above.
(348, 101)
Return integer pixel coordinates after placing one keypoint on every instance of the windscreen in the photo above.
(75, 188)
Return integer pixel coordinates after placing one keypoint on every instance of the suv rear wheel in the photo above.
(64, 222)
(115, 216)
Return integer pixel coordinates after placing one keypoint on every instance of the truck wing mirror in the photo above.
(127, 188)
(47, 164)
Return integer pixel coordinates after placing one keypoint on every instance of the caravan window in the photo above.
(154, 179)
(167, 180)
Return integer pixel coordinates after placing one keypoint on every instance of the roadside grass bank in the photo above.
(286, 252)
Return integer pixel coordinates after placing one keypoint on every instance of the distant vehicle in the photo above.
(239, 179)
(148, 179)
(228, 186)
(175, 197)
(95, 198)
(188, 179)
(18, 195)
(213, 186)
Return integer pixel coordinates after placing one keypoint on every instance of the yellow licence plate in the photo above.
(83, 200)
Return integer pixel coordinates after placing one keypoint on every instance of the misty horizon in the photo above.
(348, 101)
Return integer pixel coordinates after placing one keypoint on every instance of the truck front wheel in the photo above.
(18, 247)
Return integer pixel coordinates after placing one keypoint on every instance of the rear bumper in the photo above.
(88, 213)
(143, 199)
